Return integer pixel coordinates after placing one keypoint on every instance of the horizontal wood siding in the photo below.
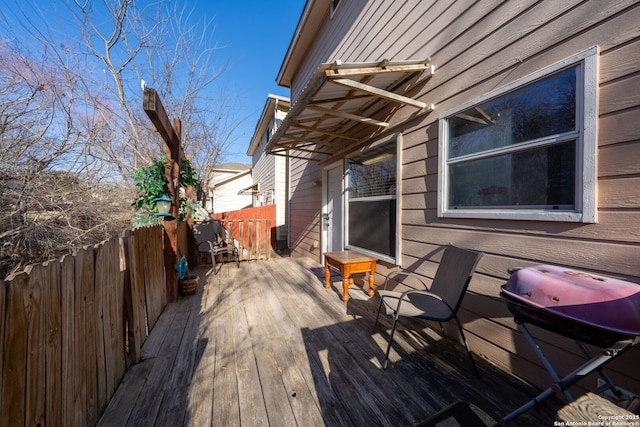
(306, 206)
(335, 30)
(263, 172)
(477, 47)
(270, 172)
(227, 196)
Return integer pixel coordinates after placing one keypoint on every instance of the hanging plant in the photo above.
(188, 175)
(188, 178)
(152, 184)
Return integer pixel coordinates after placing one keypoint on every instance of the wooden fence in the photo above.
(70, 328)
(253, 228)
(253, 235)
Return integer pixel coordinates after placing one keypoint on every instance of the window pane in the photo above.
(372, 201)
(372, 225)
(373, 174)
(543, 108)
(541, 177)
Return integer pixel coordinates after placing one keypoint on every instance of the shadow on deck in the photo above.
(267, 344)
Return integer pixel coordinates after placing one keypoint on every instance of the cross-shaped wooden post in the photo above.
(171, 135)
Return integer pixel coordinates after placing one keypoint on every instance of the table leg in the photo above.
(372, 279)
(345, 288)
(327, 276)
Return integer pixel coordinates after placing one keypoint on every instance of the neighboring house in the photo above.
(508, 127)
(226, 184)
(271, 173)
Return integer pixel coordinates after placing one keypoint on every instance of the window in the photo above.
(525, 151)
(371, 205)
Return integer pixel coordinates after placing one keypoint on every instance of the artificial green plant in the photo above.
(151, 183)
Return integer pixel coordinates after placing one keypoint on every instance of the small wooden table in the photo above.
(349, 262)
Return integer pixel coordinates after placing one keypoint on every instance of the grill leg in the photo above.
(594, 364)
(609, 384)
(557, 381)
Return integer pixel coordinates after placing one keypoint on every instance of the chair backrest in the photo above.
(454, 274)
(221, 232)
(203, 233)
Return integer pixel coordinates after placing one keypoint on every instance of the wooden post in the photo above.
(171, 135)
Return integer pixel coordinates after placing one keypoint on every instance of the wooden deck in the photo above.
(267, 344)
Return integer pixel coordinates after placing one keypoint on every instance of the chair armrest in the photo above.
(421, 292)
(393, 274)
(212, 245)
(227, 238)
(231, 242)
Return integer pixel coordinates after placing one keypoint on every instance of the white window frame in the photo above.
(394, 260)
(586, 136)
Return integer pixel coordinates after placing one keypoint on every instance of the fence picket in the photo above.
(85, 281)
(3, 320)
(130, 314)
(52, 307)
(253, 236)
(14, 369)
(69, 341)
(155, 290)
(36, 370)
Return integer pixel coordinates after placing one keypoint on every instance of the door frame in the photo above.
(324, 238)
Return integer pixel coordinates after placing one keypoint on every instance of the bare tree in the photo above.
(72, 130)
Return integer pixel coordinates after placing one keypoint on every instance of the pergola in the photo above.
(344, 106)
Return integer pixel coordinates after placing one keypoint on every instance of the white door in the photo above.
(332, 210)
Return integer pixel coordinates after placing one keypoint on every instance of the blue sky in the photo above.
(255, 36)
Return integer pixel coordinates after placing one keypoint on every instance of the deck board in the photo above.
(267, 344)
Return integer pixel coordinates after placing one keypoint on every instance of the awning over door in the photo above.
(345, 106)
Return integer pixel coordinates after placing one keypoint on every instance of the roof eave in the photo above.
(268, 113)
(312, 17)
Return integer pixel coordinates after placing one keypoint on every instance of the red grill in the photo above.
(587, 308)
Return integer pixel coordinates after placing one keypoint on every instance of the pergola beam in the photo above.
(351, 84)
(323, 131)
(382, 69)
(152, 105)
(349, 116)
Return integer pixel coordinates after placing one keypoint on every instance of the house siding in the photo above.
(271, 174)
(305, 205)
(477, 47)
(225, 196)
(263, 175)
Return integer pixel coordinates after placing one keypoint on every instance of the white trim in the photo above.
(590, 138)
(586, 133)
(229, 178)
(530, 78)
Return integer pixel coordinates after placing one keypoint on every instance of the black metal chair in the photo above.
(440, 302)
(213, 238)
